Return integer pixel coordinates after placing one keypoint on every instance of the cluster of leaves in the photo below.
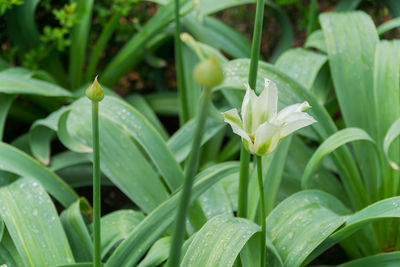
(342, 67)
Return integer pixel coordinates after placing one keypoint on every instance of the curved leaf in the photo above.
(388, 25)
(328, 146)
(387, 208)
(303, 221)
(16, 161)
(130, 251)
(77, 232)
(33, 224)
(390, 259)
(391, 135)
(219, 241)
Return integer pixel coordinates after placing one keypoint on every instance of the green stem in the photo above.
(255, 47)
(243, 182)
(190, 171)
(96, 184)
(244, 155)
(262, 207)
(184, 114)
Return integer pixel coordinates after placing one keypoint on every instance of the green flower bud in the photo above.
(208, 73)
(94, 92)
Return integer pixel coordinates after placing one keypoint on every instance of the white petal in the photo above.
(299, 107)
(266, 104)
(249, 101)
(295, 122)
(232, 117)
(249, 146)
(266, 135)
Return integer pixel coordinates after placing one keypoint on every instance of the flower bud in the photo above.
(208, 73)
(94, 92)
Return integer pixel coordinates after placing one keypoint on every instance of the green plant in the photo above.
(318, 189)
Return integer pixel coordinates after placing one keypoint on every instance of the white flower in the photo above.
(261, 127)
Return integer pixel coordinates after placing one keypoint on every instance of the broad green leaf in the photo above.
(125, 117)
(121, 160)
(12, 82)
(328, 146)
(302, 222)
(8, 252)
(33, 224)
(387, 101)
(390, 259)
(351, 40)
(74, 220)
(18, 162)
(116, 227)
(140, 103)
(302, 65)
(316, 40)
(219, 241)
(347, 5)
(130, 251)
(180, 142)
(387, 208)
(157, 253)
(41, 134)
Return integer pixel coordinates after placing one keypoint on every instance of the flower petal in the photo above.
(266, 138)
(299, 107)
(249, 101)
(232, 117)
(267, 103)
(294, 122)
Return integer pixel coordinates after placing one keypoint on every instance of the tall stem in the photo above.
(179, 67)
(255, 47)
(192, 166)
(262, 207)
(244, 155)
(243, 182)
(96, 184)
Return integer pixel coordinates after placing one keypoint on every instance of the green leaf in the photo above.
(328, 146)
(5, 104)
(390, 259)
(21, 82)
(387, 208)
(302, 65)
(8, 252)
(302, 222)
(388, 26)
(219, 241)
(316, 40)
(130, 251)
(391, 135)
(79, 37)
(157, 253)
(33, 223)
(116, 227)
(74, 224)
(16, 161)
(351, 40)
(180, 142)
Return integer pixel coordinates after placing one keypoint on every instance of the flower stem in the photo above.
(184, 114)
(96, 184)
(262, 207)
(255, 47)
(190, 171)
(244, 154)
(243, 182)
